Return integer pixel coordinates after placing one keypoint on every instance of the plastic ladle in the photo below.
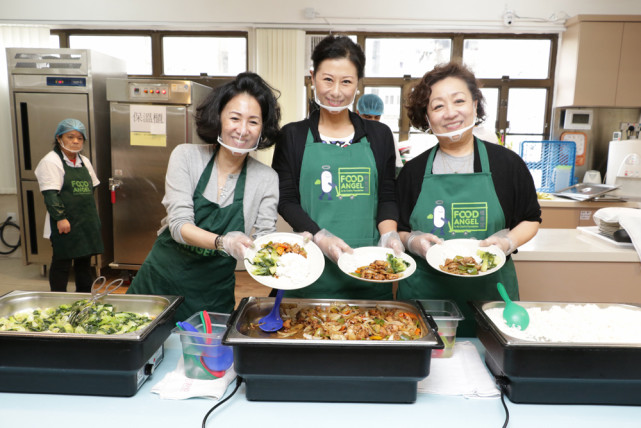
(205, 361)
(513, 314)
(273, 321)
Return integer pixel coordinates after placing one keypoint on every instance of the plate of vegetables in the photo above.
(464, 257)
(284, 261)
(377, 264)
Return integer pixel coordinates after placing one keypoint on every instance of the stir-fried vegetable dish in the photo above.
(266, 259)
(382, 270)
(101, 319)
(460, 265)
(348, 322)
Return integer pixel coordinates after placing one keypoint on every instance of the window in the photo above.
(519, 59)
(135, 50)
(213, 56)
(205, 57)
(387, 57)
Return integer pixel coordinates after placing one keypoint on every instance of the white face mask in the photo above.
(454, 135)
(332, 108)
(238, 150)
(69, 150)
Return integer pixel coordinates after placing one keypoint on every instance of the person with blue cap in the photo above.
(67, 181)
(370, 106)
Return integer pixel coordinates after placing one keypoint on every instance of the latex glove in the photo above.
(393, 241)
(236, 244)
(502, 240)
(332, 246)
(419, 242)
(307, 237)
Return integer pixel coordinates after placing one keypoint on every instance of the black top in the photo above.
(288, 158)
(512, 181)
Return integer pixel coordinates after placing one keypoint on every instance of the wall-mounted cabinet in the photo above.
(599, 62)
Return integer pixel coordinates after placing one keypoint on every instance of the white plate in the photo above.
(315, 259)
(363, 256)
(437, 254)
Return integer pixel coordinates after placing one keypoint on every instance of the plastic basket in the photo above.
(551, 163)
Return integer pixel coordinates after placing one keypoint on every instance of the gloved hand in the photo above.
(332, 246)
(393, 241)
(419, 242)
(502, 240)
(236, 243)
(306, 237)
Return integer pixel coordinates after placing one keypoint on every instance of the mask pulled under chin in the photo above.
(238, 150)
(332, 108)
(454, 135)
(70, 150)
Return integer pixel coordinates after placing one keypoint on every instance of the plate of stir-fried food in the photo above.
(464, 257)
(377, 264)
(284, 261)
(339, 321)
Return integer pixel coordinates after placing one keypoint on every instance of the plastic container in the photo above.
(204, 355)
(447, 316)
(542, 159)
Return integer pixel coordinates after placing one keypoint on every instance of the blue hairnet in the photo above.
(71, 125)
(370, 104)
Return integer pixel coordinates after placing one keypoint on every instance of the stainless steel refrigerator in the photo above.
(148, 119)
(45, 87)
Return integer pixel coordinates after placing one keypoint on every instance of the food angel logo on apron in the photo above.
(352, 182)
(465, 218)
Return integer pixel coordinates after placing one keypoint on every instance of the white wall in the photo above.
(371, 15)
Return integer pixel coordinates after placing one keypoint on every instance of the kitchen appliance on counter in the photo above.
(282, 369)
(45, 87)
(149, 118)
(560, 372)
(83, 364)
(624, 168)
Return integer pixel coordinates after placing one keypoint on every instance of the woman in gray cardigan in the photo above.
(216, 197)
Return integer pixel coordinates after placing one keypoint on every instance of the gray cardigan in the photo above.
(186, 165)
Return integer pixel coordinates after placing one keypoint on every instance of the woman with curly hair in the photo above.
(461, 188)
(215, 197)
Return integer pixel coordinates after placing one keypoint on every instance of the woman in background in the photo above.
(216, 196)
(67, 181)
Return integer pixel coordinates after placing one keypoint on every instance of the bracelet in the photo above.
(218, 243)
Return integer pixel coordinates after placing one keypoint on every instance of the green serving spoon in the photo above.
(513, 314)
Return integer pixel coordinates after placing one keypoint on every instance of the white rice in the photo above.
(292, 266)
(576, 323)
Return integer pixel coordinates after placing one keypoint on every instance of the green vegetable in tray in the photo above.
(102, 319)
(396, 263)
(487, 260)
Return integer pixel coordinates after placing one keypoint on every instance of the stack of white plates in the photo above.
(608, 229)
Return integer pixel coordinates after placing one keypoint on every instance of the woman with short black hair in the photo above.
(216, 196)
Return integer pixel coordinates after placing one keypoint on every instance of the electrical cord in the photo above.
(14, 244)
(501, 382)
(239, 381)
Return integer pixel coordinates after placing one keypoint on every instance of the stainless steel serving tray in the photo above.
(257, 307)
(509, 340)
(154, 306)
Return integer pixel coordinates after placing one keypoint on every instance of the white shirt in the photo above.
(51, 175)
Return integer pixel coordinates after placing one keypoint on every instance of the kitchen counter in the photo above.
(569, 214)
(567, 265)
(146, 410)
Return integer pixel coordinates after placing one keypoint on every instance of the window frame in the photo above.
(504, 84)
(157, 36)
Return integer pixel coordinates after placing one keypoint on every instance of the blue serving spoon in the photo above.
(273, 321)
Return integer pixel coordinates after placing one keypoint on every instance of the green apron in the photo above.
(84, 238)
(204, 277)
(339, 191)
(475, 213)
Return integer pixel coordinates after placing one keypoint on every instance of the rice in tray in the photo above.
(292, 266)
(575, 323)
